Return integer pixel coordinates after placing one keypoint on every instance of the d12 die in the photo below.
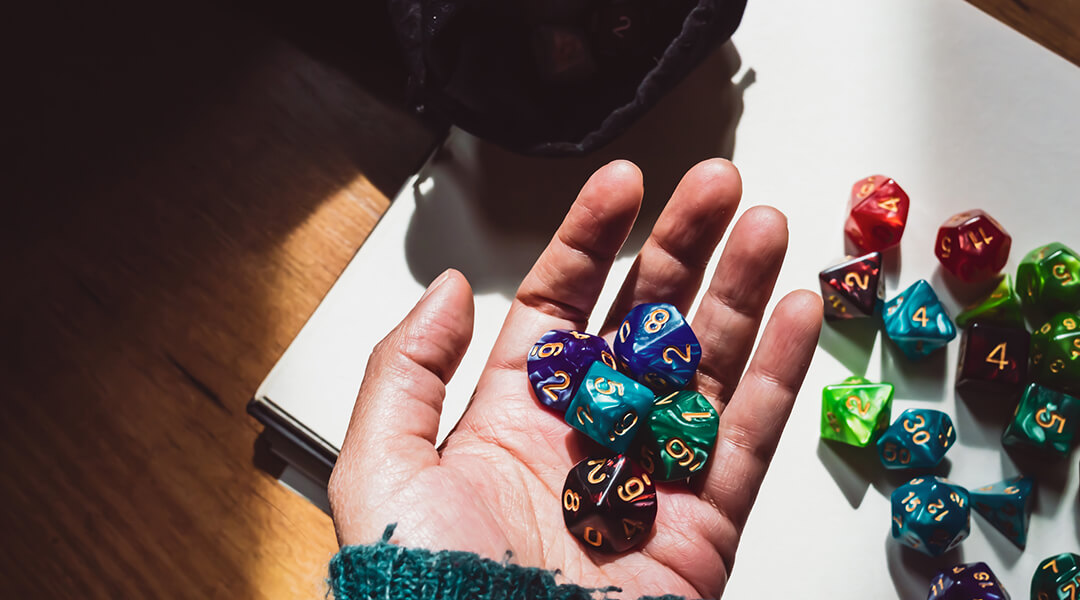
(1045, 420)
(877, 213)
(930, 515)
(853, 288)
(917, 322)
(1057, 577)
(972, 246)
(1007, 506)
(993, 358)
(855, 411)
(558, 361)
(1055, 353)
(609, 503)
(609, 407)
(680, 436)
(918, 439)
(1002, 307)
(973, 581)
(656, 346)
(1048, 279)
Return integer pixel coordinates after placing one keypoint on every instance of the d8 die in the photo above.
(1002, 307)
(609, 503)
(853, 288)
(918, 439)
(1048, 279)
(877, 213)
(917, 322)
(609, 407)
(972, 246)
(680, 436)
(967, 582)
(558, 362)
(656, 346)
(993, 358)
(1007, 506)
(1045, 420)
(856, 411)
(1055, 353)
(1057, 578)
(930, 515)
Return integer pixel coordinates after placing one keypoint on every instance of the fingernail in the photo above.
(435, 284)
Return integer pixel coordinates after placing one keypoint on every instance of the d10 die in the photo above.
(680, 436)
(1007, 506)
(558, 362)
(972, 246)
(993, 358)
(930, 515)
(1002, 307)
(656, 346)
(855, 411)
(609, 503)
(877, 213)
(1055, 353)
(1057, 577)
(853, 288)
(609, 407)
(1048, 279)
(967, 582)
(917, 322)
(1045, 420)
(918, 439)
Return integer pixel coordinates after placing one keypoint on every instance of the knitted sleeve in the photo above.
(390, 572)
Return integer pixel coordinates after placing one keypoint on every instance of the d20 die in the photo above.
(853, 288)
(1007, 506)
(967, 582)
(931, 515)
(680, 436)
(1001, 307)
(655, 346)
(609, 407)
(972, 246)
(609, 503)
(1055, 353)
(917, 322)
(1045, 420)
(1056, 578)
(558, 361)
(877, 213)
(1048, 279)
(993, 358)
(855, 411)
(917, 439)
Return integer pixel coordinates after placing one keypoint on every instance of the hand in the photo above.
(496, 483)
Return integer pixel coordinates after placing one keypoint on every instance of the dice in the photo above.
(1007, 506)
(854, 288)
(931, 515)
(679, 437)
(609, 407)
(918, 439)
(558, 361)
(1002, 307)
(972, 581)
(1055, 353)
(877, 213)
(609, 503)
(1048, 279)
(1057, 577)
(656, 347)
(562, 54)
(916, 321)
(855, 411)
(1045, 420)
(993, 358)
(972, 246)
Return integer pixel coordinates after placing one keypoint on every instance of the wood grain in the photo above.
(1052, 23)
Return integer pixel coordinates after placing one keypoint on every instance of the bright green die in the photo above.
(1001, 306)
(1048, 279)
(1057, 577)
(680, 436)
(1055, 353)
(855, 411)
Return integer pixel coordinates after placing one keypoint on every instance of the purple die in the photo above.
(558, 361)
(656, 346)
(965, 582)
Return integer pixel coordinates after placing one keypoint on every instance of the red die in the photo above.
(972, 246)
(878, 213)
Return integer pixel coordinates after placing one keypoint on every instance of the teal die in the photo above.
(609, 407)
(931, 515)
(917, 439)
(1007, 506)
(917, 322)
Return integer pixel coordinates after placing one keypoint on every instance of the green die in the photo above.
(1057, 577)
(1045, 419)
(1002, 306)
(856, 411)
(1055, 353)
(1048, 279)
(680, 436)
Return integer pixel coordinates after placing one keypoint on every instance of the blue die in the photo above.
(917, 439)
(655, 346)
(1007, 505)
(917, 322)
(931, 515)
(609, 407)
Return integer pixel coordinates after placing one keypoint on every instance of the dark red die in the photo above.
(972, 246)
(609, 503)
(877, 213)
(993, 358)
(853, 288)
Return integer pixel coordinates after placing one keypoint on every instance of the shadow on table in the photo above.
(912, 571)
(851, 342)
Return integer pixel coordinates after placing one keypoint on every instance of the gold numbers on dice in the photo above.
(1060, 271)
(583, 415)
(913, 427)
(863, 407)
(911, 502)
(593, 537)
(624, 331)
(557, 386)
(678, 450)
(571, 500)
(934, 507)
(1047, 419)
(893, 453)
(596, 475)
(857, 280)
(986, 239)
(957, 499)
(623, 425)
(889, 204)
(673, 350)
(608, 387)
(997, 356)
(920, 316)
(579, 335)
(552, 349)
(631, 527)
(633, 488)
(655, 321)
(609, 360)
(946, 247)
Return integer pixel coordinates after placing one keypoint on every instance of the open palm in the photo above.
(495, 484)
